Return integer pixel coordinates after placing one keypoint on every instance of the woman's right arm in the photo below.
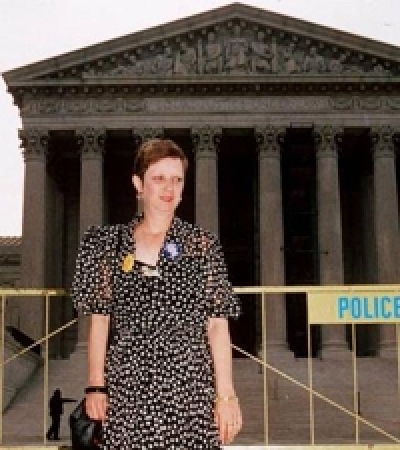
(96, 403)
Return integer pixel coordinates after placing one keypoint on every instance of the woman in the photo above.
(159, 286)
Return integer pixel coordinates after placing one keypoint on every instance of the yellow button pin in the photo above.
(128, 262)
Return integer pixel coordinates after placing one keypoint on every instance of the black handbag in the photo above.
(85, 432)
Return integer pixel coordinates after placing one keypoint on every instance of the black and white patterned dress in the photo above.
(159, 369)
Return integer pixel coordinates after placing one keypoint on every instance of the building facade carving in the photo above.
(34, 143)
(206, 140)
(327, 139)
(142, 134)
(383, 140)
(90, 141)
(235, 48)
(269, 141)
(53, 107)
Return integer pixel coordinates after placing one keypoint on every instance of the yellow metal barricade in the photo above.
(326, 305)
(322, 309)
(46, 294)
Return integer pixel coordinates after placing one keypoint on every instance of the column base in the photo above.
(335, 348)
(275, 350)
(278, 355)
(81, 347)
(335, 352)
(388, 352)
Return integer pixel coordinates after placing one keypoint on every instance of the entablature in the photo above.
(138, 90)
(232, 50)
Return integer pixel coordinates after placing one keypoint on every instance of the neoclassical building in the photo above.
(291, 130)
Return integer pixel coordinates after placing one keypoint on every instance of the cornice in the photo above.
(205, 79)
(343, 89)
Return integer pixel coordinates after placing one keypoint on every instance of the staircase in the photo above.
(288, 412)
(23, 420)
(289, 405)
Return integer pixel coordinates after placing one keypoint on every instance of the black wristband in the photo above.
(101, 389)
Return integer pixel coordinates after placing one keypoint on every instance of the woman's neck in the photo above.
(154, 223)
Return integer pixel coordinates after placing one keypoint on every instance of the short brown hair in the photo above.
(153, 150)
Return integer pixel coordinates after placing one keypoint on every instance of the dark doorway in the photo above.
(356, 189)
(300, 234)
(120, 204)
(186, 209)
(238, 225)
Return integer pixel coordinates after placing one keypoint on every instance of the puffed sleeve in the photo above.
(222, 301)
(91, 290)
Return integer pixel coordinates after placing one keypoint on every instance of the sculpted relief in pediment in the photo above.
(238, 49)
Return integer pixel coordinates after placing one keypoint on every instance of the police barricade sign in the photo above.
(353, 307)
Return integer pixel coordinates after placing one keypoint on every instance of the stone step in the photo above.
(288, 409)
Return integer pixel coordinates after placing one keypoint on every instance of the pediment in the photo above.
(235, 40)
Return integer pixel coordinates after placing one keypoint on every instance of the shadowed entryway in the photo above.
(238, 225)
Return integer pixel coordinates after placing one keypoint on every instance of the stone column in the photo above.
(33, 273)
(272, 264)
(386, 214)
(329, 226)
(206, 142)
(91, 143)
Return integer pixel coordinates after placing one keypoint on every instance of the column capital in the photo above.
(383, 139)
(206, 140)
(141, 135)
(91, 142)
(327, 138)
(269, 140)
(34, 143)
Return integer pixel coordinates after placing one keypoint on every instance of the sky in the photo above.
(33, 30)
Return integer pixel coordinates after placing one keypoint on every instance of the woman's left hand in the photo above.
(228, 418)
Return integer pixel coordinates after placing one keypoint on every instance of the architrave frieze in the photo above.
(81, 107)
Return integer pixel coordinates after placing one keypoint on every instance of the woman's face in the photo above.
(162, 185)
